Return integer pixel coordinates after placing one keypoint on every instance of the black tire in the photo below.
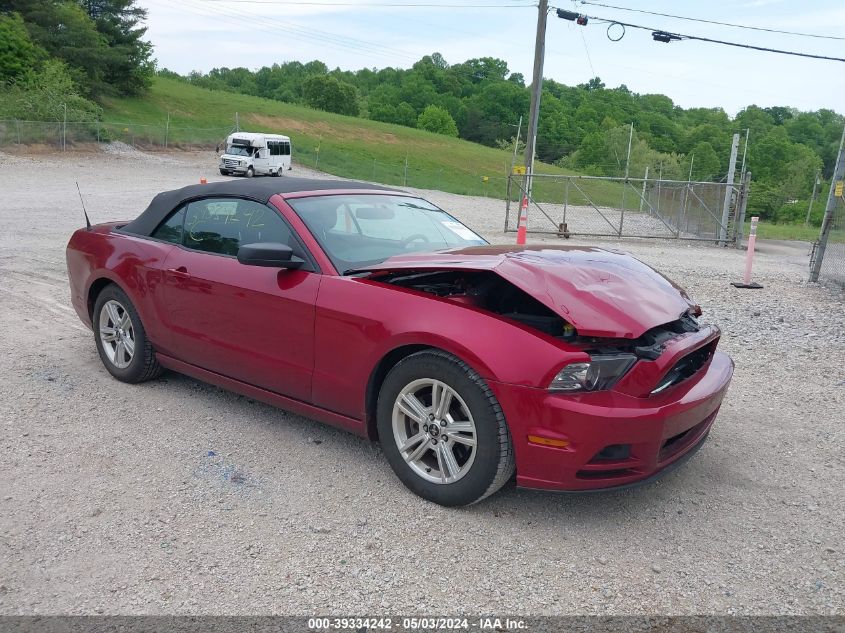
(250, 172)
(143, 365)
(493, 464)
(223, 172)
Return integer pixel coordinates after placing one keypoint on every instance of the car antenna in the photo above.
(87, 221)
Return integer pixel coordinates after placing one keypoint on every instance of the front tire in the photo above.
(443, 431)
(223, 172)
(121, 339)
(250, 172)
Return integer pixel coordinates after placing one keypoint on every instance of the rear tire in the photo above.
(443, 431)
(121, 340)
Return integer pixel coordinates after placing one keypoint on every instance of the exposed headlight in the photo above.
(602, 372)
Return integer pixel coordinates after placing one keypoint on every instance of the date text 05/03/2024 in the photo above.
(416, 624)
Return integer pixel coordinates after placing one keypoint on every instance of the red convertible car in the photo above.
(576, 368)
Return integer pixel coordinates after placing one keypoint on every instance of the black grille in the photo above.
(685, 368)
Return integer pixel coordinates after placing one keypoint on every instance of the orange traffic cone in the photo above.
(203, 181)
(522, 228)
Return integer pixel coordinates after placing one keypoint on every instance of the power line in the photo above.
(704, 21)
(587, 51)
(667, 36)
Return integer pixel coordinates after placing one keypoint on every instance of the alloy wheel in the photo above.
(117, 334)
(434, 431)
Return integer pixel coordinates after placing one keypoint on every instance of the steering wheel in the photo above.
(413, 238)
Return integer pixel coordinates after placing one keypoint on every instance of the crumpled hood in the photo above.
(601, 292)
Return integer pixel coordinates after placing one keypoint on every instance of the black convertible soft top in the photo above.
(258, 189)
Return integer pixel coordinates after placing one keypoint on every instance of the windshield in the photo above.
(359, 230)
(238, 150)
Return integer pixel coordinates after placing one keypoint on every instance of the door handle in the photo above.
(180, 273)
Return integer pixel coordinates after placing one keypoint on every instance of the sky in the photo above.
(351, 34)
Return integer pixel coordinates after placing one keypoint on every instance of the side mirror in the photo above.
(269, 254)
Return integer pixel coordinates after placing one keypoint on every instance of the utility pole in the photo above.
(729, 188)
(536, 91)
(816, 183)
(827, 222)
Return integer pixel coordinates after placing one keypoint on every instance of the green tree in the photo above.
(43, 96)
(328, 93)
(127, 64)
(18, 55)
(65, 31)
(438, 120)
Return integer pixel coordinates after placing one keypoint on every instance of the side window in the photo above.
(222, 225)
(274, 148)
(285, 148)
(171, 229)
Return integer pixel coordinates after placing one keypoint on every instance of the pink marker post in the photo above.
(749, 258)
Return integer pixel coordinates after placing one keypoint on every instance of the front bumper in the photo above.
(232, 167)
(645, 434)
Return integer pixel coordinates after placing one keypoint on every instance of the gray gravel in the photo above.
(177, 497)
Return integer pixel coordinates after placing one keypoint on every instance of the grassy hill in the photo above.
(341, 145)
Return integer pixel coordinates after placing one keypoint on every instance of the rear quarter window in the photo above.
(171, 230)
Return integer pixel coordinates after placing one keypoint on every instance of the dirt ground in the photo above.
(176, 497)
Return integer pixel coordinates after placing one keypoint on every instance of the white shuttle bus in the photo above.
(248, 154)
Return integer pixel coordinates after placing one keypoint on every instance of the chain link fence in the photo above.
(78, 134)
(627, 207)
(832, 254)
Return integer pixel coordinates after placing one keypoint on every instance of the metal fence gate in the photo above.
(629, 207)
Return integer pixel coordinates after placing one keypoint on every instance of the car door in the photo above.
(251, 323)
(261, 161)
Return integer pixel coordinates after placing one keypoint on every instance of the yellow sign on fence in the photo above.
(840, 187)
(519, 169)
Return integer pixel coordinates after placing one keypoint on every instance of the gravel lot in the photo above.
(177, 497)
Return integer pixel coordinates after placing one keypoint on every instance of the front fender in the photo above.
(359, 322)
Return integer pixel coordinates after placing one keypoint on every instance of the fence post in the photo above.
(18, 127)
(374, 170)
(645, 182)
(64, 128)
(566, 198)
(827, 222)
(166, 130)
(743, 204)
(508, 203)
(726, 207)
(622, 212)
(684, 201)
(405, 179)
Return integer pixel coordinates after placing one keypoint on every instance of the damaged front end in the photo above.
(608, 359)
